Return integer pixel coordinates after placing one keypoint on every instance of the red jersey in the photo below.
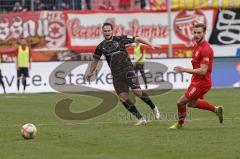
(202, 54)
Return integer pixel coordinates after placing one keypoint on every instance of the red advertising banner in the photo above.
(41, 29)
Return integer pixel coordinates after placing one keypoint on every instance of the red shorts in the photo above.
(196, 91)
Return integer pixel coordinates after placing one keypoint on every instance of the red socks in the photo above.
(201, 104)
(182, 114)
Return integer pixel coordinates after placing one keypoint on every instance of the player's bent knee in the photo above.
(122, 100)
(191, 104)
(180, 103)
(123, 97)
(138, 92)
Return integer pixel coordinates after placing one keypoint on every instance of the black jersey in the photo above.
(115, 53)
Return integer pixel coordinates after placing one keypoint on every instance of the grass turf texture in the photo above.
(112, 135)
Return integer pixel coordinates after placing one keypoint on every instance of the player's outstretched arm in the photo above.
(199, 71)
(143, 41)
(93, 66)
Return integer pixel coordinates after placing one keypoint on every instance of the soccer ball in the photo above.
(29, 131)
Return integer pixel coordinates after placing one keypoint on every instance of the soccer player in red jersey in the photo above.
(202, 61)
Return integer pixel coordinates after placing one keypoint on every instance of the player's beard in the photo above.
(198, 40)
(108, 39)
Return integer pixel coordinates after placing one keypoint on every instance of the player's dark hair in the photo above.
(107, 24)
(200, 25)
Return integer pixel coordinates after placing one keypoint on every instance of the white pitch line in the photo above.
(13, 96)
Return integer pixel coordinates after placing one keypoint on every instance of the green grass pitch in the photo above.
(113, 135)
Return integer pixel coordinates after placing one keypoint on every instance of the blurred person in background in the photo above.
(39, 5)
(1, 82)
(106, 5)
(139, 61)
(49, 4)
(77, 4)
(124, 4)
(23, 63)
(1, 78)
(17, 7)
(66, 6)
(237, 84)
(57, 4)
(88, 4)
(141, 2)
(27, 5)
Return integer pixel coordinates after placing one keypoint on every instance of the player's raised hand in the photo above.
(179, 69)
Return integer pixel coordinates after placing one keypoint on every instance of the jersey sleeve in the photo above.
(98, 53)
(128, 39)
(205, 56)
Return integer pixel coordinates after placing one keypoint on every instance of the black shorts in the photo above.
(122, 81)
(22, 71)
(139, 67)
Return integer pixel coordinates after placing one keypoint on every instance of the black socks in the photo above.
(24, 82)
(131, 108)
(18, 84)
(147, 100)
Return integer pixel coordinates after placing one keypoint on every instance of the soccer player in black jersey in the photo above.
(124, 76)
(1, 82)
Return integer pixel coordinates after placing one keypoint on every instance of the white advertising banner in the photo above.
(85, 29)
(44, 75)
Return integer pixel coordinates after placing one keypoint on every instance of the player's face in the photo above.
(107, 32)
(198, 34)
(23, 42)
